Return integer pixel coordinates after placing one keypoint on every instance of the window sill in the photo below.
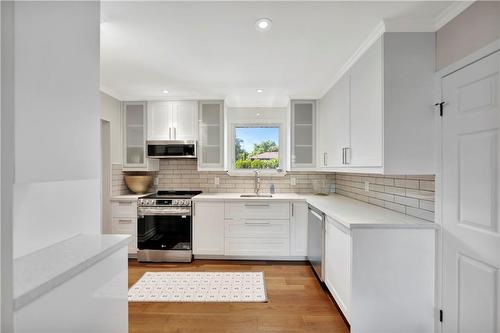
(251, 173)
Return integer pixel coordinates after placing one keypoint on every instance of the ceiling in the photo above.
(211, 50)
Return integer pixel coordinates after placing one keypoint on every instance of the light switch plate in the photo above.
(367, 186)
(216, 180)
(293, 181)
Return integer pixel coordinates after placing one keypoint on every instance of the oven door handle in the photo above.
(156, 212)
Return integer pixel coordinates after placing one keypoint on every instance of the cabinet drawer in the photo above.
(237, 246)
(124, 225)
(124, 208)
(257, 210)
(250, 228)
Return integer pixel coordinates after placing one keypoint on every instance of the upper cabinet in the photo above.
(303, 134)
(379, 117)
(134, 138)
(211, 136)
(172, 120)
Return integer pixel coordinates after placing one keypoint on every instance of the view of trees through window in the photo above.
(256, 147)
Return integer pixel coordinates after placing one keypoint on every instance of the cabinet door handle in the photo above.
(292, 208)
(170, 132)
(124, 221)
(343, 155)
(347, 157)
(325, 159)
(175, 133)
(256, 205)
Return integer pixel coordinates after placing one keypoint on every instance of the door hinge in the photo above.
(441, 106)
(441, 316)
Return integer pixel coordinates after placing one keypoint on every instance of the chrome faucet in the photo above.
(257, 182)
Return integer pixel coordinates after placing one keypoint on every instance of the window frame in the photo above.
(280, 171)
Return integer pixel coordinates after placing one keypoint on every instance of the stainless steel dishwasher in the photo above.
(316, 240)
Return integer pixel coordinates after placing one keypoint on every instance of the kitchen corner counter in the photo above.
(349, 212)
(40, 272)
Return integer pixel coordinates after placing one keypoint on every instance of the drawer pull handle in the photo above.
(257, 223)
(256, 205)
(124, 221)
(122, 203)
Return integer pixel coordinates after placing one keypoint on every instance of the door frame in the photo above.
(442, 73)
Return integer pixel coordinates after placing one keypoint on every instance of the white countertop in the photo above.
(128, 197)
(38, 273)
(236, 197)
(357, 214)
(351, 213)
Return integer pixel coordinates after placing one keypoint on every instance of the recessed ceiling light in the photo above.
(165, 91)
(260, 90)
(258, 114)
(263, 24)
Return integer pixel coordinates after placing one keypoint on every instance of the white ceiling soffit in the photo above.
(211, 50)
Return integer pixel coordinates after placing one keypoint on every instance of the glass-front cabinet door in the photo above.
(211, 136)
(303, 134)
(134, 138)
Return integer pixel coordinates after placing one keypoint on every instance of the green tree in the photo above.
(241, 154)
(263, 147)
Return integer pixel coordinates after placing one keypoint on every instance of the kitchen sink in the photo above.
(256, 196)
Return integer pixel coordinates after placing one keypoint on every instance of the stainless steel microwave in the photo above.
(171, 149)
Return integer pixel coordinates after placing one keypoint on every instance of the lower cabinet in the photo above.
(298, 229)
(338, 263)
(250, 228)
(382, 277)
(124, 221)
(208, 228)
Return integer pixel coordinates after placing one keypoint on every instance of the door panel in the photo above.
(159, 121)
(366, 109)
(185, 119)
(470, 180)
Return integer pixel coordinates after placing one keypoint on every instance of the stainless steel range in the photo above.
(164, 226)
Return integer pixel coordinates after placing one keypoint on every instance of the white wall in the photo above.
(57, 140)
(6, 163)
(111, 111)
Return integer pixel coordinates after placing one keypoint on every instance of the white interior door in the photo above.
(470, 179)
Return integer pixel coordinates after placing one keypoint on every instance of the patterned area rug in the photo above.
(199, 287)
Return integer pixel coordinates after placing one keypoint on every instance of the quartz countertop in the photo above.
(349, 212)
(236, 197)
(39, 272)
(128, 197)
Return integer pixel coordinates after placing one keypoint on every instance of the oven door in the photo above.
(171, 149)
(164, 234)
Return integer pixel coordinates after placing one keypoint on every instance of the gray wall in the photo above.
(111, 111)
(474, 28)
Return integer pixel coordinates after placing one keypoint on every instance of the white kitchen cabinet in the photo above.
(366, 101)
(208, 228)
(211, 136)
(298, 229)
(334, 125)
(389, 125)
(303, 134)
(338, 263)
(134, 139)
(172, 120)
(381, 277)
(124, 221)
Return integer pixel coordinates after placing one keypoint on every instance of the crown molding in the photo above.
(372, 37)
(450, 13)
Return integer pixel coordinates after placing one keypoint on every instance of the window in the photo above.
(256, 147)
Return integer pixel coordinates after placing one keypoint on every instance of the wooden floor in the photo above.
(297, 303)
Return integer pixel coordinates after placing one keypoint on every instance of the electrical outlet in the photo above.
(216, 180)
(367, 186)
(293, 181)
(157, 181)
